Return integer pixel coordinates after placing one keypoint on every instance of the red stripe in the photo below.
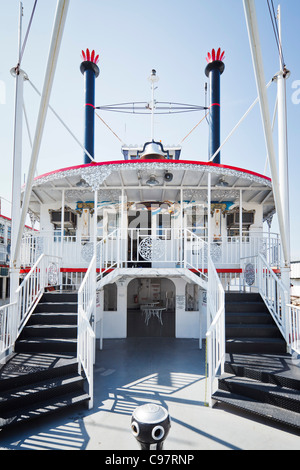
(215, 104)
(89, 104)
(173, 162)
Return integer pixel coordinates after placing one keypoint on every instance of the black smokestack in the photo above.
(90, 70)
(213, 70)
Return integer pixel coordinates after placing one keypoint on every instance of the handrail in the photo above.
(8, 328)
(215, 335)
(196, 257)
(14, 316)
(85, 333)
(32, 287)
(274, 294)
(293, 333)
(76, 251)
(108, 253)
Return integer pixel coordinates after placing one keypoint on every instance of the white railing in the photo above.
(257, 273)
(274, 294)
(8, 328)
(14, 316)
(108, 253)
(196, 254)
(74, 251)
(85, 334)
(215, 336)
(163, 247)
(166, 246)
(293, 335)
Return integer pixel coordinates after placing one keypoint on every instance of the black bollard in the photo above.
(150, 425)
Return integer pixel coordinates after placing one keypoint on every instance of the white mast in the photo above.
(60, 18)
(153, 79)
(283, 152)
(250, 14)
(20, 76)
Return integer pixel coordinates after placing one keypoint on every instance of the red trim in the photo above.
(176, 162)
(89, 104)
(84, 270)
(8, 218)
(215, 104)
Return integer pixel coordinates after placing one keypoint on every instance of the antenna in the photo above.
(153, 79)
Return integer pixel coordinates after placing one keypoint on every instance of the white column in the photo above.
(208, 211)
(241, 223)
(283, 157)
(60, 18)
(181, 231)
(250, 14)
(62, 228)
(17, 179)
(95, 218)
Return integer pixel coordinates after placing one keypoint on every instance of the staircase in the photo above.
(42, 376)
(260, 377)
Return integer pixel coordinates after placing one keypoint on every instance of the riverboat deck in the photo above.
(133, 371)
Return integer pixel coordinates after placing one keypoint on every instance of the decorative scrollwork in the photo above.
(53, 271)
(151, 248)
(249, 274)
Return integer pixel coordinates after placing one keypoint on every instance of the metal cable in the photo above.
(27, 33)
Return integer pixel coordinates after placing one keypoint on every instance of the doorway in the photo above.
(146, 220)
(151, 308)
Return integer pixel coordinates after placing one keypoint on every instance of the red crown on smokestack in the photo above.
(211, 57)
(90, 57)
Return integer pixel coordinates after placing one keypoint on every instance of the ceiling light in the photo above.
(222, 182)
(152, 181)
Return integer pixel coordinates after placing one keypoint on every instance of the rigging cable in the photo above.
(195, 127)
(109, 128)
(27, 33)
(276, 32)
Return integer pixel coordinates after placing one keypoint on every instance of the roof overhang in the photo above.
(110, 178)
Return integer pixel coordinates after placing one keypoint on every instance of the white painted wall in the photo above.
(187, 323)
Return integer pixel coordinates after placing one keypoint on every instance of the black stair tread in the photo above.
(248, 314)
(255, 340)
(270, 388)
(47, 340)
(54, 313)
(30, 363)
(38, 326)
(252, 325)
(281, 365)
(37, 387)
(259, 408)
(44, 407)
(62, 303)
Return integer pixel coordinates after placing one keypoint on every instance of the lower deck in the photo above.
(131, 372)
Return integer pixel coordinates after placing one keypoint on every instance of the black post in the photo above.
(90, 70)
(213, 70)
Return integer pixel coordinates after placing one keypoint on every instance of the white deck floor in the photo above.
(131, 372)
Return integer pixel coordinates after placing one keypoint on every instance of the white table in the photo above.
(153, 312)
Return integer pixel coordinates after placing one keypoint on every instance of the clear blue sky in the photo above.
(132, 37)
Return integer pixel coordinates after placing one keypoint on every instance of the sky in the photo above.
(133, 37)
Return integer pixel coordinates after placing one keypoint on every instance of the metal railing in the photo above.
(85, 333)
(166, 245)
(196, 255)
(258, 273)
(14, 316)
(293, 333)
(8, 328)
(274, 294)
(215, 336)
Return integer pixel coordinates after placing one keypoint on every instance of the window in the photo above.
(110, 297)
(191, 297)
